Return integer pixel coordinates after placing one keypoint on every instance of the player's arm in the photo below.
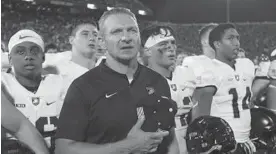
(20, 126)
(203, 96)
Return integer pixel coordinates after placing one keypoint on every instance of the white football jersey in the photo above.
(69, 72)
(262, 70)
(272, 70)
(233, 94)
(182, 86)
(202, 68)
(41, 108)
(51, 59)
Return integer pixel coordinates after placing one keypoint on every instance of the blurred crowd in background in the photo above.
(256, 38)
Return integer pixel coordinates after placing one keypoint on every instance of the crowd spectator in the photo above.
(56, 29)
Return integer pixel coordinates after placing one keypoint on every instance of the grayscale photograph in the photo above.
(138, 76)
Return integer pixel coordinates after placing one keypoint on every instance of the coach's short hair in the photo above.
(205, 29)
(118, 10)
(217, 33)
(77, 27)
(154, 30)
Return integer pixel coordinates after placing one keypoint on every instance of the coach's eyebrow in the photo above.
(84, 31)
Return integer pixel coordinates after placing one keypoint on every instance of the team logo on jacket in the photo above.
(173, 87)
(150, 90)
(35, 100)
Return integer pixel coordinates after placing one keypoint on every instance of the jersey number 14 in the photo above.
(246, 98)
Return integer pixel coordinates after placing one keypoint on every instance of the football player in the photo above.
(37, 96)
(83, 39)
(16, 123)
(160, 47)
(229, 93)
(271, 93)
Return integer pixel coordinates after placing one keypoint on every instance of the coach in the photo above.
(99, 114)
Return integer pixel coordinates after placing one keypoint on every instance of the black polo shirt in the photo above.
(100, 106)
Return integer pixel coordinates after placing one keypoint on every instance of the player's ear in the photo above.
(9, 57)
(71, 39)
(100, 40)
(204, 42)
(217, 44)
(147, 52)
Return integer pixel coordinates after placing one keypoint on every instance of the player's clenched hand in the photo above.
(144, 142)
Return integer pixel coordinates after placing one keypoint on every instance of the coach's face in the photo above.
(85, 40)
(230, 43)
(27, 59)
(122, 38)
(164, 53)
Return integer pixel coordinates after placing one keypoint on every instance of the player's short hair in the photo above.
(114, 11)
(154, 30)
(74, 31)
(50, 46)
(205, 29)
(217, 33)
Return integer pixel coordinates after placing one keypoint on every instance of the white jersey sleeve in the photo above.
(206, 78)
(182, 85)
(186, 78)
(203, 69)
(52, 59)
(188, 60)
(248, 66)
(262, 70)
(272, 70)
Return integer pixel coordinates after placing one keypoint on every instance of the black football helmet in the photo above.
(207, 131)
(159, 112)
(263, 128)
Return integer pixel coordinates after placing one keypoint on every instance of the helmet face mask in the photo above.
(206, 132)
